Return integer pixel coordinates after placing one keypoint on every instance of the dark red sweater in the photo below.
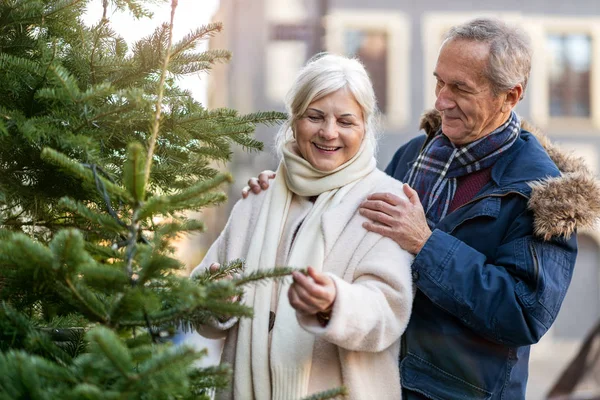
(468, 186)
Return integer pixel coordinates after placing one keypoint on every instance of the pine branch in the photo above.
(175, 356)
(61, 5)
(173, 229)
(260, 275)
(224, 271)
(159, 99)
(210, 377)
(87, 302)
(155, 265)
(190, 40)
(262, 117)
(105, 278)
(133, 172)
(192, 197)
(83, 173)
(68, 248)
(104, 341)
(135, 7)
(103, 220)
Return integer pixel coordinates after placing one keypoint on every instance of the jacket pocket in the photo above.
(424, 377)
(485, 207)
(551, 270)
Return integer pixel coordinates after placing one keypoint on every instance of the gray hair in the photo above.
(322, 75)
(509, 61)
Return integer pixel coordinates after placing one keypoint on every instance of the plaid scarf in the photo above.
(434, 174)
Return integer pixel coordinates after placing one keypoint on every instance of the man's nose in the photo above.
(444, 100)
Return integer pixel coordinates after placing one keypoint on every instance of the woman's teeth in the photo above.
(325, 147)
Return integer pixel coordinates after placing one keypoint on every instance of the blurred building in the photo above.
(398, 42)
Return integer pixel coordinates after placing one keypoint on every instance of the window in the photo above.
(371, 47)
(570, 58)
(381, 41)
(288, 31)
(565, 86)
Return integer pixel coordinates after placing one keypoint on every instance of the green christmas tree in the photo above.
(96, 142)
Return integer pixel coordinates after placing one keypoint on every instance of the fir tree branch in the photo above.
(159, 99)
(102, 189)
(211, 377)
(189, 40)
(100, 317)
(113, 349)
(56, 8)
(82, 172)
(181, 355)
(260, 275)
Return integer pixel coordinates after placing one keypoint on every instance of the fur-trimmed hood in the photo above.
(560, 204)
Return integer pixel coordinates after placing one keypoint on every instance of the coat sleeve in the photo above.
(511, 299)
(371, 312)
(234, 234)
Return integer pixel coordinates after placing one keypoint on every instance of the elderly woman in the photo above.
(341, 323)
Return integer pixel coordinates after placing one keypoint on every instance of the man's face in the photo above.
(465, 99)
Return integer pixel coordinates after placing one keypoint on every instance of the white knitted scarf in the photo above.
(282, 372)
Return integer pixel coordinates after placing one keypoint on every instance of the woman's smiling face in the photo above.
(331, 130)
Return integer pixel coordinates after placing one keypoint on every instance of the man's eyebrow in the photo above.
(455, 82)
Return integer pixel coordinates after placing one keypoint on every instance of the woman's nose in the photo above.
(328, 130)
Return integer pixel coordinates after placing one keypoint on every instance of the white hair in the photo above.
(322, 75)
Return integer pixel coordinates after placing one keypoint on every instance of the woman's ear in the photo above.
(293, 129)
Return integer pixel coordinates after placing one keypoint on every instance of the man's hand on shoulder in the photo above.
(256, 185)
(402, 220)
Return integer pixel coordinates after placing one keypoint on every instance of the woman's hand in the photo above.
(257, 185)
(312, 294)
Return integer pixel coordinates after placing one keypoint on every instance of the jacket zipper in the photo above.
(536, 264)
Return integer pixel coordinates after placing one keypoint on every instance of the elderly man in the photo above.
(489, 284)
(490, 218)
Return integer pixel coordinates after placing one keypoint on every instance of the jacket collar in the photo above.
(567, 198)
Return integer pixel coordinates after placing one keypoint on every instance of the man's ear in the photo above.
(513, 96)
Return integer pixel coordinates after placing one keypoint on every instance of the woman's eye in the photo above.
(314, 118)
(345, 123)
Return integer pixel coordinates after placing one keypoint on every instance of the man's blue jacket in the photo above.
(492, 276)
